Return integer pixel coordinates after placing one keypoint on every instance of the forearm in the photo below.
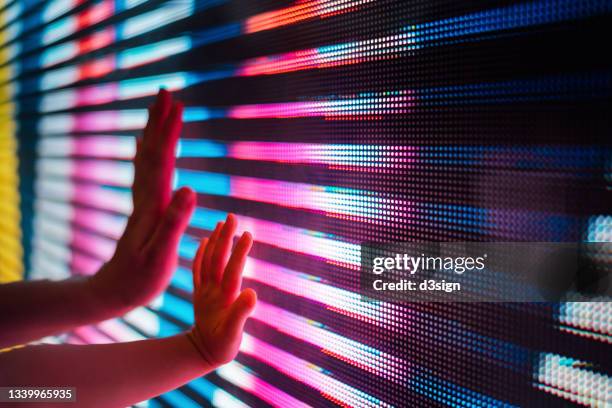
(106, 375)
(31, 310)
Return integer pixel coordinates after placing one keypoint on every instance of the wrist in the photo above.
(105, 298)
(195, 339)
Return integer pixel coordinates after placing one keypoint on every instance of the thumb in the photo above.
(239, 312)
(174, 222)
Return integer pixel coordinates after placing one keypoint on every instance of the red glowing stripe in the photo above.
(95, 14)
(96, 40)
(97, 68)
(302, 11)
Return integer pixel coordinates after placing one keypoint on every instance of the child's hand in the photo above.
(146, 254)
(220, 310)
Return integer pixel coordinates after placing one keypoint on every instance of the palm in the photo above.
(220, 312)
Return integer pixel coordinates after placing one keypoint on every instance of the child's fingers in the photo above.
(210, 249)
(223, 248)
(239, 312)
(232, 277)
(197, 264)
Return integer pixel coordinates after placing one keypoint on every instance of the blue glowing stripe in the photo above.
(178, 399)
(506, 18)
(205, 218)
(187, 247)
(178, 308)
(182, 279)
(197, 114)
(450, 394)
(203, 183)
(200, 148)
(216, 34)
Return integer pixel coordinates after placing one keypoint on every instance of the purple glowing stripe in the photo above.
(371, 105)
(242, 377)
(350, 351)
(309, 374)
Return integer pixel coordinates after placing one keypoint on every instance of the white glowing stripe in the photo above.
(61, 52)
(95, 196)
(99, 171)
(573, 380)
(44, 266)
(166, 14)
(61, 231)
(59, 252)
(60, 29)
(59, 77)
(119, 331)
(56, 8)
(145, 320)
(308, 373)
(224, 399)
(589, 316)
(101, 222)
(152, 52)
(119, 147)
(239, 375)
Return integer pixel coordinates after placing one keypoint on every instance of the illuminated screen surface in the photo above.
(321, 125)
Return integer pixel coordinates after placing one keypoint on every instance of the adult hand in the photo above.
(146, 254)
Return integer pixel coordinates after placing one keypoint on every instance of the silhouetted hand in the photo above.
(220, 310)
(146, 254)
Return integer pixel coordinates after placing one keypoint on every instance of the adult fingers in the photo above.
(166, 237)
(232, 277)
(223, 248)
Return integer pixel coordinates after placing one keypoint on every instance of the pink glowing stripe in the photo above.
(303, 10)
(337, 156)
(308, 373)
(354, 107)
(241, 376)
(359, 355)
(358, 205)
(314, 289)
(92, 336)
(299, 240)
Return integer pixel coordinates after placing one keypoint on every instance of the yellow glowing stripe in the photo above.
(11, 250)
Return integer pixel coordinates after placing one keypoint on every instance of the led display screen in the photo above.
(324, 124)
